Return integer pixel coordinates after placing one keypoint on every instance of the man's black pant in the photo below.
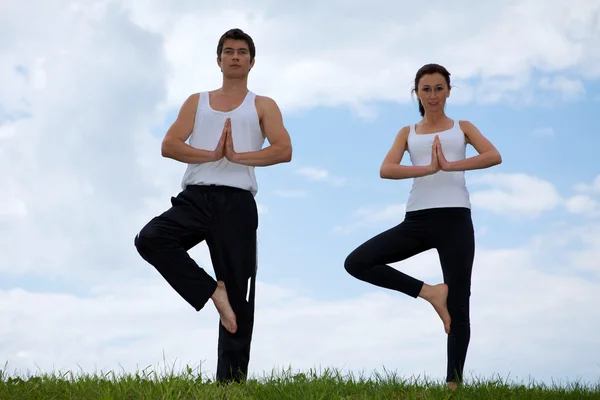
(227, 218)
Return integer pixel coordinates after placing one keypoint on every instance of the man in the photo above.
(226, 129)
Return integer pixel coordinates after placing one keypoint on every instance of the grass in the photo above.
(329, 384)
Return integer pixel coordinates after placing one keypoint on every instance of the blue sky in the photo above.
(88, 93)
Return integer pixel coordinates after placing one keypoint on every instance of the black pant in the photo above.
(227, 218)
(450, 231)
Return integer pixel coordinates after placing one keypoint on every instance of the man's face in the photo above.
(235, 58)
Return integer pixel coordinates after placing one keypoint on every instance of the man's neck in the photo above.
(234, 86)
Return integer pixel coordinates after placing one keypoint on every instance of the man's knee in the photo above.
(141, 244)
(145, 241)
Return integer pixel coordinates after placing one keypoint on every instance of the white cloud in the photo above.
(365, 216)
(493, 60)
(81, 167)
(11, 205)
(514, 195)
(582, 204)
(594, 187)
(315, 174)
(566, 87)
(519, 196)
(7, 130)
(12, 208)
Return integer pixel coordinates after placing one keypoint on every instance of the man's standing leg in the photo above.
(232, 244)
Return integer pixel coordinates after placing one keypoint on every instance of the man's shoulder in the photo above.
(265, 104)
(266, 100)
(192, 99)
(196, 95)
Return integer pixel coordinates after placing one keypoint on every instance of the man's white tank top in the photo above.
(444, 188)
(247, 136)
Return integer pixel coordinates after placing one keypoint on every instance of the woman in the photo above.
(438, 213)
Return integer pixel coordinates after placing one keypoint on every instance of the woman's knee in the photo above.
(354, 264)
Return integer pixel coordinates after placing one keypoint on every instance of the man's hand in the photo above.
(174, 144)
(279, 149)
(443, 164)
(219, 151)
(230, 153)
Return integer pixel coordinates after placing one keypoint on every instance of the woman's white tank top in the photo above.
(442, 189)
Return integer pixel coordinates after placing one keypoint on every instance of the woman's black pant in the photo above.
(450, 232)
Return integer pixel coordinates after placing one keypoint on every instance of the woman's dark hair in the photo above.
(430, 69)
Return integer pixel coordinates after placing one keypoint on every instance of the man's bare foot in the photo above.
(437, 295)
(221, 301)
(452, 386)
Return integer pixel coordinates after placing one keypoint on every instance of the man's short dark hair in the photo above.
(237, 34)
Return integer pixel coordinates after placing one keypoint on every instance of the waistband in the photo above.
(440, 211)
(216, 188)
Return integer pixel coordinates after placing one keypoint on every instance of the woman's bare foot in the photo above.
(437, 295)
(221, 301)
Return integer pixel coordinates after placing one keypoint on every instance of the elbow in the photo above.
(383, 172)
(497, 158)
(286, 154)
(165, 149)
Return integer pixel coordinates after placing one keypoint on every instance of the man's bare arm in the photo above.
(280, 145)
(174, 144)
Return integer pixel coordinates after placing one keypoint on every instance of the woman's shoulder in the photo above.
(465, 125)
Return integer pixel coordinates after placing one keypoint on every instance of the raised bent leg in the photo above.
(232, 245)
(164, 243)
(368, 262)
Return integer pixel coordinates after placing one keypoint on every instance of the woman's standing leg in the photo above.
(455, 243)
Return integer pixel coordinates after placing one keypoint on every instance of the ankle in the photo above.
(216, 292)
(425, 292)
